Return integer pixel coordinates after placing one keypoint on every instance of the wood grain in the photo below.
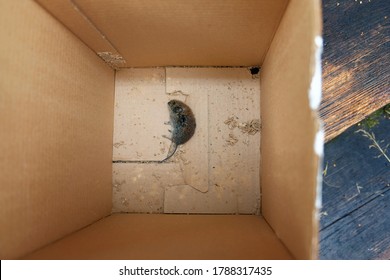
(355, 221)
(356, 62)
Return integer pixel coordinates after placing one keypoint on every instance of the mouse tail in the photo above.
(171, 152)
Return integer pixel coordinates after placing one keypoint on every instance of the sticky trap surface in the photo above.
(216, 171)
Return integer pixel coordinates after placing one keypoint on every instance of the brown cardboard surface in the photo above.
(193, 157)
(56, 109)
(144, 236)
(231, 156)
(289, 163)
(56, 119)
(211, 173)
(69, 14)
(140, 112)
(182, 33)
(140, 188)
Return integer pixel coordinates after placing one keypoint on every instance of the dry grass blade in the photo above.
(375, 143)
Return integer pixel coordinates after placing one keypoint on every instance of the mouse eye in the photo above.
(177, 109)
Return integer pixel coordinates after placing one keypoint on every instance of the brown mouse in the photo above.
(183, 124)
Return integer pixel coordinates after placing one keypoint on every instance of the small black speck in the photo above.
(254, 70)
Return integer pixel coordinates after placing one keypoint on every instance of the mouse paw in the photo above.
(167, 137)
(168, 123)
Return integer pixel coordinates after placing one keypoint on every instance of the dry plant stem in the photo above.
(376, 144)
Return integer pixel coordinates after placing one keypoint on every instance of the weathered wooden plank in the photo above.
(355, 220)
(356, 62)
(362, 234)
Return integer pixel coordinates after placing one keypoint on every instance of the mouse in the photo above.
(182, 121)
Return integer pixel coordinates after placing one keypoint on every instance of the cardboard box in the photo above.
(62, 62)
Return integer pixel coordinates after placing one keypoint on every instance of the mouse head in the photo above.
(176, 106)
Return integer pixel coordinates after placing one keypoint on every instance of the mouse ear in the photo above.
(177, 109)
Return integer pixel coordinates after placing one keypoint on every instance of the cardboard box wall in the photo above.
(56, 116)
